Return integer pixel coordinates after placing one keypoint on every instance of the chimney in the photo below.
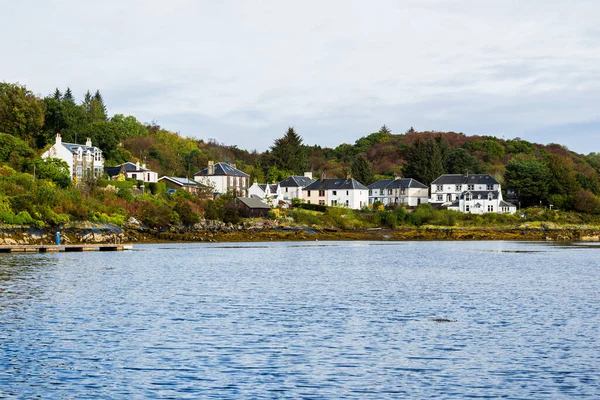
(88, 142)
(397, 176)
(323, 175)
(58, 138)
(308, 175)
(144, 165)
(348, 175)
(233, 165)
(211, 168)
(137, 166)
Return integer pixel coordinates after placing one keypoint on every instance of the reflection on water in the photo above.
(303, 320)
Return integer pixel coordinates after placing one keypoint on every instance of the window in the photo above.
(439, 188)
(321, 193)
(307, 201)
(471, 187)
(79, 172)
(440, 197)
(334, 192)
(79, 154)
(321, 202)
(237, 181)
(348, 192)
(231, 181)
(389, 191)
(347, 203)
(402, 191)
(286, 190)
(490, 196)
(490, 208)
(308, 193)
(334, 202)
(134, 176)
(370, 192)
(457, 188)
(382, 191)
(468, 197)
(467, 208)
(490, 187)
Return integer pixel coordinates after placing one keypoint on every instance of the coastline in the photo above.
(83, 233)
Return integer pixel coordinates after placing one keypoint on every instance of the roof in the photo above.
(457, 179)
(484, 194)
(73, 147)
(253, 203)
(263, 187)
(336, 183)
(112, 171)
(180, 181)
(400, 183)
(222, 168)
(296, 181)
(129, 167)
(506, 204)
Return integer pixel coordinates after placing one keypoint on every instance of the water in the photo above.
(303, 320)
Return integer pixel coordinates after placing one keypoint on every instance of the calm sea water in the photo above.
(303, 320)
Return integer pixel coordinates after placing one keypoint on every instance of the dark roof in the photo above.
(112, 171)
(253, 203)
(180, 181)
(483, 194)
(296, 181)
(129, 167)
(506, 204)
(336, 183)
(382, 184)
(222, 168)
(263, 187)
(457, 179)
(400, 183)
(72, 147)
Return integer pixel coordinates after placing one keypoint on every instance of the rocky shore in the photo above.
(267, 230)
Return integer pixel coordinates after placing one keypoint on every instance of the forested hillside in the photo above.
(541, 174)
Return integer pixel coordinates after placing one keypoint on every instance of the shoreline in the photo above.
(86, 233)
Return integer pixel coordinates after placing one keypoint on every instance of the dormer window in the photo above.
(471, 187)
(490, 187)
(457, 188)
(79, 154)
(468, 197)
(479, 196)
(490, 196)
(439, 188)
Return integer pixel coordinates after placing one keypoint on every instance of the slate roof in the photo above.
(263, 187)
(457, 179)
(72, 147)
(296, 181)
(222, 169)
(112, 171)
(129, 167)
(401, 183)
(336, 183)
(180, 181)
(506, 204)
(483, 194)
(253, 203)
(381, 184)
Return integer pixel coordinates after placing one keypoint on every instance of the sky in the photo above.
(242, 72)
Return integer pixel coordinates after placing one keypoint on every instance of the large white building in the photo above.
(224, 178)
(399, 191)
(337, 192)
(475, 194)
(83, 160)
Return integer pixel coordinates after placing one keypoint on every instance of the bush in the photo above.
(313, 207)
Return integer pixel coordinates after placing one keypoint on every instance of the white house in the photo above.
(223, 178)
(291, 187)
(406, 191)
(270, 193)
(83, 160)
(337, 192)
(476, 193)
(134, 171)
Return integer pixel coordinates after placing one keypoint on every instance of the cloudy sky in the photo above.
(241, 72)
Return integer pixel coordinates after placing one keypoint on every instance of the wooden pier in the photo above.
(52, 248)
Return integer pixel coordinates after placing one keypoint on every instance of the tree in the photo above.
(361, 170)
(459, 161)
(15, 152)
(57, 95)
(384, 129)
(68, 96)
(21, 112)
(100, 103)
(425, 160)
(287, 152)
(530, 179)
(54, 169)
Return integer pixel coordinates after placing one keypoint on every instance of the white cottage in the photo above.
(399, 191)
(291, 187)
(223, 178)
(83, 160)
(337, 192)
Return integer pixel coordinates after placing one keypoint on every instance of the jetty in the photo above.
(52, 248)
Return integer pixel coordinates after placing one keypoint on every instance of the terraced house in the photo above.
(84, 161)
(475, 194)
(399, 191)
(337, 192)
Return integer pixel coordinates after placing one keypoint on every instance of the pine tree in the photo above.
(361, 170)
(87, 102)
(57, 95)
(385, 129)
(287, 152)
(100, 100)
(68, 96)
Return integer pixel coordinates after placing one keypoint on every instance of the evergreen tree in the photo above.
(459, 161)
(100, 100)
(68, 96)
(361, 170)
(287, 153)
(87, 102)
(530, 179)
(425, 160)
(385, 129)
(57, 95)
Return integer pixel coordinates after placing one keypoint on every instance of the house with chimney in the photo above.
(84, 161)
(398, 191)
(292, 186)
(131, 170)
(474, 194)
(342, 192)
(224, 178)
